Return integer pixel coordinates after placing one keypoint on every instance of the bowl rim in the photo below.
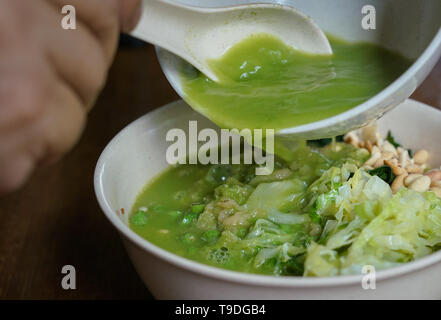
(236, 276)
(432, 50)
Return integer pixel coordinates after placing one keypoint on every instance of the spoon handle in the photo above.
(166, 25)
(199, 34)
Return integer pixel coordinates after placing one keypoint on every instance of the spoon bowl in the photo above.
(411, 29)
(198, 35)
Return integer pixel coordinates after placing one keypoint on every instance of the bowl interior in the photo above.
(137, 153)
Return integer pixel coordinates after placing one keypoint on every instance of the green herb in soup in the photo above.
(266, 84)
(320, 214)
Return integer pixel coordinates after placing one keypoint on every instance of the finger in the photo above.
(27, 87)
(129, 14)
(13, 174)
(48, 118)
(100, 17)
(75, 54)
(24, 86)
(64, 123)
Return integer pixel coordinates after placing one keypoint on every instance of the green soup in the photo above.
(198, 211)
(266, 84)
(317, 215)
(297, 220)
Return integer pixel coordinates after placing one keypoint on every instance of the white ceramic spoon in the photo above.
(198, 34)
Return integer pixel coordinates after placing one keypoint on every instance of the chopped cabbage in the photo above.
(369, 226)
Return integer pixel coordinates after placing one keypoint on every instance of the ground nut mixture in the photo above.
(410, 171)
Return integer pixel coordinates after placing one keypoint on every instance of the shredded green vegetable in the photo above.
(317, 215)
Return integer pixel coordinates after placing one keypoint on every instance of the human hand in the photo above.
(50, 77)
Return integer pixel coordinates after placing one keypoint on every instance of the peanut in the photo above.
(368, 145)
(376, 155)
(421, 157)
(414, 169)
(388, 147)
(387, 155)
(404, 158)
(351, 138)
(379, 140)
(411, 178)
(436, 191)
(369, 133)
(397, 170)
(436, 184)
(379, 163)
(421, 184)
(398, 182)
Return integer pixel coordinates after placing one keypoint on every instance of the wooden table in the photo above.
(55, 219)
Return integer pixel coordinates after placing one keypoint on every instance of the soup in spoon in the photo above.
(267, 84)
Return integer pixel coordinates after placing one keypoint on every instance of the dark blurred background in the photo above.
(55, 219)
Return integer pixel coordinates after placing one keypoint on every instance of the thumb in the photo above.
(129, 14)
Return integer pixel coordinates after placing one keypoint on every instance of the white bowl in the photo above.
(410, 27)
(137, 154)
